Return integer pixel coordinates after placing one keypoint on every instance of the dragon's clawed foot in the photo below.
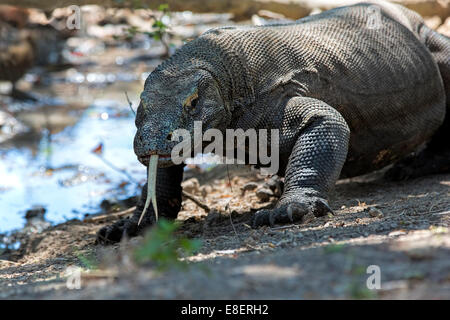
(123, 228)
(291, 210)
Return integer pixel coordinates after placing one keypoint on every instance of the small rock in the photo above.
(264, 194)
(9, 126)
(445, 28)
(35, 212)
(272, 182)
(191, 185)
(249, 241)
(433, 22)
(249, 186)
(397, 233)
(235, 180)
(275, 184)
(205, 190)
(374, 213)
(270, 15)
(315, 11)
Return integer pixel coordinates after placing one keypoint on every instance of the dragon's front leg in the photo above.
(320, 144)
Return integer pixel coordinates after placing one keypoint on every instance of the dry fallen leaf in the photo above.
(98, 149)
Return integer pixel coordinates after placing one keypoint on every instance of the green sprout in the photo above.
(163, 248)
(159, 32)
(333, 248)
(87, 259)
(360, 292)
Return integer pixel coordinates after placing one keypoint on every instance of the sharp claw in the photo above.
(289, 213)
(329, 209)
(326, 207)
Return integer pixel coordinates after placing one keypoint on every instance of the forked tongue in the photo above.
(151, 186)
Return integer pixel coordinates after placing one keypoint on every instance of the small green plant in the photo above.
(358, 291)
(163, 248)
(159, 26)
(333, 248)
(159, 32)
(87, 259)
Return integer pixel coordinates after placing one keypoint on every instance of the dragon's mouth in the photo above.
(162, 158)
(152, 160)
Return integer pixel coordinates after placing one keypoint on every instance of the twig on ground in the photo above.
(9, 261)
(130, 104)
(437, 212)
(196, 201)
(285, 227)
(110, 216)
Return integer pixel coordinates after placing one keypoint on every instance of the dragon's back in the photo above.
(356, 48)
(370, 64)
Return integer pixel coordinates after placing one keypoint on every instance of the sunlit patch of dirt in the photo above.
(401, 227)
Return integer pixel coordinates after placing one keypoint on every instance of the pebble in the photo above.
(205, 190)
(275, 184)
(396, 233)
(35, 212)
(191, 185)
(374, 213)
(264, 194)
(433, 22)
(249, 186)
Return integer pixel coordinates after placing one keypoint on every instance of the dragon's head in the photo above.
(174, 100)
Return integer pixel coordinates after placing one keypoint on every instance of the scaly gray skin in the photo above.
(339, 92)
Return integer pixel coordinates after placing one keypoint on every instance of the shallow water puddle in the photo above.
(60, 171)
(72, 158)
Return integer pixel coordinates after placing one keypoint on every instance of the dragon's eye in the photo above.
(191, 101)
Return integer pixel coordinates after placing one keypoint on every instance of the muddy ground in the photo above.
(407, 237)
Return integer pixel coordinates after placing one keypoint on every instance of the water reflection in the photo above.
(46, 158)
(56, 168)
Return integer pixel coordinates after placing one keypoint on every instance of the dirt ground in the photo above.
(407, 237)
(400, 227)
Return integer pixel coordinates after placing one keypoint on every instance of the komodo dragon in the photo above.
(349, 93)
